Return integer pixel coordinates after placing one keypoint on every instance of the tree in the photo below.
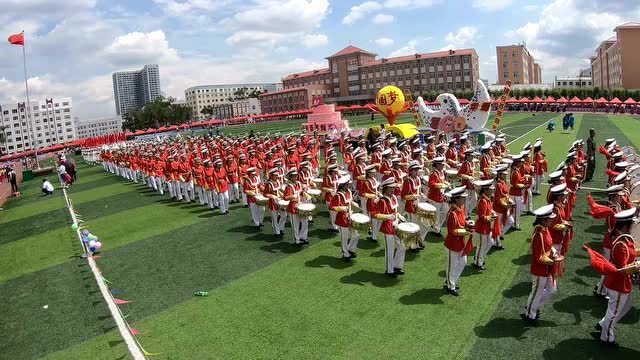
(160, 112)
(208, 111)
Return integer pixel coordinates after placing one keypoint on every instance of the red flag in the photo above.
(598, 211)
(17, 39)
(600, 263)
(468, 246)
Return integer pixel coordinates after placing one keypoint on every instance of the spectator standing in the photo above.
(13, 179)
(591, 154)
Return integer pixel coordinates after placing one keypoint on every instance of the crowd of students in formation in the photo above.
(401, 191)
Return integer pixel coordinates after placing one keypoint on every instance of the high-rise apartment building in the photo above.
(515, 63)
(355, 75)
(615, 65)
(133, 89)
(53, 123)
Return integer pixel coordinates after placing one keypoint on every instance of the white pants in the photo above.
(234, 192)
(483, 248)
(375, 228)
(278, 220)
(394, 252)
(244, 196)
(455, 266)
(349, 239)
(223, 201)
(536, 184)
(300, 226)
(332, 217)
(542, 289)
(134, 176)
(212, 198)
(529, 204)
(504, 226)
(363, 205)
(518, 210)
(471, 202)
(441, 214)
(600, 288)
(201, 195)
(257, 213)
(619, 305)
(558, 248)
(177, 192)
(424, 229)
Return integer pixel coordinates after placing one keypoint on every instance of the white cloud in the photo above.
(315, 40)
(491, 5)
(408, 49)
(136, 48)
(359, 11)
(462, 37)
(384, 41)
(568, 31)
(382, 19)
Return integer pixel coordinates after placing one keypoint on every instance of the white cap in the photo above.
(555, 174)
(616, 189)
(622, 164)
(484, 183)
(625, 215)
(621, 177)
(389, 182)
(344, 179)
(545, 212)
(386, 152)
(460, 191)
(559, 189)
(438, 160)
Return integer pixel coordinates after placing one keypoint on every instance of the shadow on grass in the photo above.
(114, 343)
(366, 244)
(579, 281)
(200, 211)
(245, 229)
(594, 229)
(519, 290)
(506, 328)
(433, 239)
(282, 247)
(524, 259)
(321, 234)
(578, 304)
(270, 238)
(210, 214)
(333, 262)
(587, 271)
(362, 277)
(424, 296)
(587, 349)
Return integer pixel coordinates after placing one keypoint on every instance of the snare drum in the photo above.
(316, 194)
(317, 181)
(343, 173)
(426, 212)
(409, 234)
(283, 205)
(451, 173)
(360, 222)
(305, 210)
(261, 200)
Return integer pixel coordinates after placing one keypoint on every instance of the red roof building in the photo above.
(354, 75)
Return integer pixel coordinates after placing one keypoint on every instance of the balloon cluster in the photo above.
(88, 238)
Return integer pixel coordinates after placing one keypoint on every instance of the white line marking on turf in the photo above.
(528, 132)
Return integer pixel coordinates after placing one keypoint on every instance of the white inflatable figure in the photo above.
(452, 117)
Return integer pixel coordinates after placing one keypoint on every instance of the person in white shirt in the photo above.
(47, 188)
(65, 179)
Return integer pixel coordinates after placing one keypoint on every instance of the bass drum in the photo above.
(629, 151)
(634, 192)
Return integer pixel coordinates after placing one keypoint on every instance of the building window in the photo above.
(558, 83)
(515, 74)
(506, 75)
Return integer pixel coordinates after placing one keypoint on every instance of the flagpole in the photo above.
(26, 87)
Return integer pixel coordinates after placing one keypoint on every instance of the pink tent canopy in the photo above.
(536, 100)
(588, 100)
(615, 100)
(524, 100)
(602, 101)
(562, 100)
(575, 100)
(550, 99)
(512, 100)
(630, 101)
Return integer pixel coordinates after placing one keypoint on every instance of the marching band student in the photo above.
(544, 261)
(158, 172)
(370, 192)
(185, 179)
(486, 163)
(210, 185)
(466, 173)
(221, 187)
(273, 191)
(615, 198)
(619, 283)
(387, 213)
(232, 177)
(454, 242)
(198, 175)
(342, 204)
(293, 192)
(437, 185)
(451, 155)
(540, 166)
(411, 196)
(431, 147)
(560, 227)
(527, 170)
(329, 186)
(555, 178)
(572, 178)
(243, 165)
(503, 206)
(517, 187)
(253, 187)
(484, 224)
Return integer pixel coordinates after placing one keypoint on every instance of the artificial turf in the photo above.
(269, 299)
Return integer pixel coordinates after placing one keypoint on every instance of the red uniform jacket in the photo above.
(484, 210)
(410, 187)
(199, 175)
(622, 254)
(209, 178)
(222, 184)
(232, 172)
(293, 189)
(455, 220)
(502, 191)
(370, 186)
(557, 235)
(436, 194)
(252, 184)
(467, 169)
(541, 245)
(516, 178)
(329, 182)
(389, 206)
(273, 188)
(342, 199)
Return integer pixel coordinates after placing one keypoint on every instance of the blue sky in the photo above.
(74, 46)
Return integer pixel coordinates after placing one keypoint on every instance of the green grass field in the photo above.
(269, 299)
